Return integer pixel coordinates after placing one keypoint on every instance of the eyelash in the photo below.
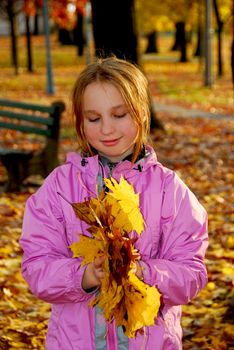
(120, 116)
(93, 120)
(116, 116)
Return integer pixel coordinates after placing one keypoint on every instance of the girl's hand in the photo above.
(93, 273)
(138, 271)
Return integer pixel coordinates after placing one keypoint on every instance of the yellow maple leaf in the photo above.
(88, 248)
(83, 212)
(125, 205)
(142, 304)
(110, 295)
(90, 211)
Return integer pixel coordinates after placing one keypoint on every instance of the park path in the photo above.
(188, 112)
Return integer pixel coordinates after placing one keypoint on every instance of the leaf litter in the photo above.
(201, 152)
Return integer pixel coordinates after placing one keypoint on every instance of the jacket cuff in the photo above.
(79, 293)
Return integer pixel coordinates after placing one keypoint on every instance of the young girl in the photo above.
(111, 108)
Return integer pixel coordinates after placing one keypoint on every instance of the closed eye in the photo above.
(93, 120)
(120, 115)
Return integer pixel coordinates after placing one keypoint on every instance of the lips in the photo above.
(110, 142)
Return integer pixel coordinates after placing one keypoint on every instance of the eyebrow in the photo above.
(93, 111)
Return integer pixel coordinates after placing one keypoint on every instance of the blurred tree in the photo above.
(198, 24)
(150, 20)
(9, 10)
(180, 13)
(198, 50)
(65, 36)
(154, 15)
(78, 33)
(36, 19)
(220, 29)
(29, 44)
(115, 32)
(224, 13)
(114, 28)
(180, 41)
(232, 60)
(67, 14)
(152, 46)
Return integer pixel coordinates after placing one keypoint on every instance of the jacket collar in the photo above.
(91, 164)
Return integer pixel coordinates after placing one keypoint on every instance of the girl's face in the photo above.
(108, 125)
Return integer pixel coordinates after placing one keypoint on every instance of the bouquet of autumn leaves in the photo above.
(122, 295)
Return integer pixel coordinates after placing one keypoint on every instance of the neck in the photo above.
(118, 158)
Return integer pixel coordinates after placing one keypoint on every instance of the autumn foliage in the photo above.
(112, 216)
(58, 10)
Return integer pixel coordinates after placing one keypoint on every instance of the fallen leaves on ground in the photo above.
(201, 151)
(23, 318)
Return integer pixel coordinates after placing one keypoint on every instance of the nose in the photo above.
(107, 127)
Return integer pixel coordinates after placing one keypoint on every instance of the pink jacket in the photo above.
(172, 248)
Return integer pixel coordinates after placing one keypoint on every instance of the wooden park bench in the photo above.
(34, 119)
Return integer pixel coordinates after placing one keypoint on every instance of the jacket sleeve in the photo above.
(47, 266)
(179, 271)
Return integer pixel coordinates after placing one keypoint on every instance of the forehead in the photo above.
(102, 94)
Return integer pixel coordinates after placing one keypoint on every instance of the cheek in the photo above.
(90, 131)
(132, 132)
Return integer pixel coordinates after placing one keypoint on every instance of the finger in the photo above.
(100, 274)
(99, 261)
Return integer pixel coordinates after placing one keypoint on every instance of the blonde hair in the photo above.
(133, 86)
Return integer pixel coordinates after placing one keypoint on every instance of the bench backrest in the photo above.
(31, 118)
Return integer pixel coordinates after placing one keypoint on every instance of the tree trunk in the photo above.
(183, 43)
(29, 46)
(78, 32)
(198, 51)
(180, 41)
(152, 46)
(114, 29)
(36, 27)
(114, 32)
(12, 20)
(64, 37)
(220, 28)
(220, 60)
(232, 61)
(176, 45)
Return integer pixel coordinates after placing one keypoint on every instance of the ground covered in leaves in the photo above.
(201, 151)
